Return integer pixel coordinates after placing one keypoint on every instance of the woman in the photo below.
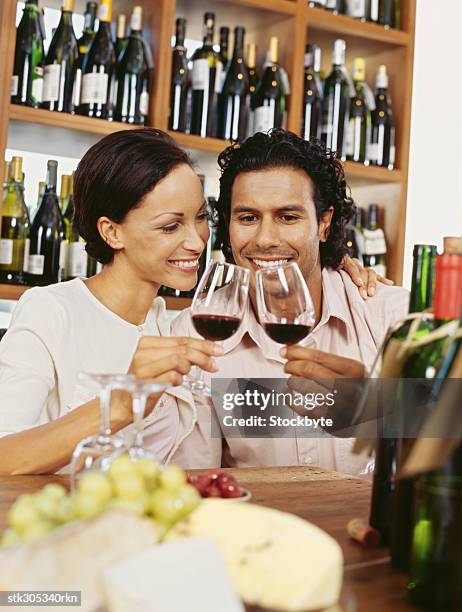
(141, 210)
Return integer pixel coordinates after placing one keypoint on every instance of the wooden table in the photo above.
(327, 499)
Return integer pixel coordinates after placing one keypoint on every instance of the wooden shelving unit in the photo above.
(295, 24)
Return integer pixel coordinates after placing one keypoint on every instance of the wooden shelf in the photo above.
(342, 25)
(14, 292)
(371, 174)
(288, 7)
(190, 141)
(66, 121)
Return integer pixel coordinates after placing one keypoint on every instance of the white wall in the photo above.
(434, 204)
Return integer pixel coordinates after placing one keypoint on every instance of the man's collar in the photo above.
(334, 304)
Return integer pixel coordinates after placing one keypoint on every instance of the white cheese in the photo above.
(275, 559)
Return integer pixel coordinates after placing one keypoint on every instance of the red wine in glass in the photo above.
(287, 333)
(215, 327)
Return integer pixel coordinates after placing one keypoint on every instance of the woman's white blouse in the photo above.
(61, 330)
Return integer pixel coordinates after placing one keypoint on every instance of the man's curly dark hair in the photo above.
(279, 148)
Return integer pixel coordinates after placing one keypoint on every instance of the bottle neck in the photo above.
(423, 280)
(208, 36)
(89, 23)
(52, 177)
(180, 35)
(238, 52)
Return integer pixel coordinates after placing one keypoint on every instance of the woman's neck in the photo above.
(119, 290)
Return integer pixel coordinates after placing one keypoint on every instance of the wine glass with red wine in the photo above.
(218, 307)
(285, 308)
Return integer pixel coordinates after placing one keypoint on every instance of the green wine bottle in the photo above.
(384, 483)
(436, 557)
(27, 80)
(14, 227)
(359, 126)
(77, 258)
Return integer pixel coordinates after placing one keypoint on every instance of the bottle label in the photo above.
(36, 264)
(78, 260)
(200, 74)
(391, 163)
(220, 76)
(6, 251)
(25, 266)
(264, 118)
(350, 138)
(77, 87)
(374, 10)
(94, 88)
(14, 85)
(144, 103)
(356, 8)
(37, 90)
(373, 152)
(374, 242)
(51, 83)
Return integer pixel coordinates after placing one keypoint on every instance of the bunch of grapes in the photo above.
(142, 487)
(216, 484)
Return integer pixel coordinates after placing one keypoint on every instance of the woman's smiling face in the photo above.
(162, 239)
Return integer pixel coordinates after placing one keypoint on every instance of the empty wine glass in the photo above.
(285, 307)
(92, 452)
(218, 307)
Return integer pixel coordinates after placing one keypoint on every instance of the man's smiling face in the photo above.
(273, 220)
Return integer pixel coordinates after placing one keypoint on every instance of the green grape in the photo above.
(149, 470)
(46, 505)
(97, 485)
(87, 506)
(122, 466)
(172, 478)
(10, 537)
(66, 510)
(23, 513)
(37, 530)
(190, 498)
(54, 490)
(137, 506)
(165, 506)
(129, 486)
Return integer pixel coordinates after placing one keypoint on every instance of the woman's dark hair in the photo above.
(277, 149)
(113, 177)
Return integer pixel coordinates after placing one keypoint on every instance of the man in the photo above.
(285, 199)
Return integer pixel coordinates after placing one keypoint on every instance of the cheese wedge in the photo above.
(74, 557)
(275, 559)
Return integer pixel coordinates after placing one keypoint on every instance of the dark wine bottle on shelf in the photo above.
(359, 126)
(59, 80)
(88, 33)
(121, 35)
(311, 122)
(46, 257)
(27, 79)
(224, 47)
(77, 259)
(375, 248)
(436, 535)
(233, 106)
(353, 237)
(382, 147)
(205, 85)
(336, 102)
(96, 98)
(133, 75)
(14, 227)
(335, 6)
(179, 80)
(388, 448)
(271, 95)
(387, 15)
(253, 83)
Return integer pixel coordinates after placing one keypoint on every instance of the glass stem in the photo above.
(105, 409)
(138, 408)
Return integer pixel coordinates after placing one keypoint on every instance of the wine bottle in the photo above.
(14, 227)
(61, 64)
(88, 33)
(224, 44)
(96, 98)
(46, 258)
(387, 16)
(335, 6)
(353, 235)
(382, 147)
(64, 192)
(179, 80)
(359, 127)
(336, 102)
(311, 123)
(375, 247)
(252, 68)
(233, 106)
(388, 448)
(133, 74)
(317, 3)
(374, 11)
(27, 79)
(205, 85)
(77, 259)
(436, 560)
(121, 35)
(357, 9)
(6, 179)
(272, 91)
(34, 207)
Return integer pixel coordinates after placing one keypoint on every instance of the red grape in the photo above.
(231, 490)
(212, 491)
